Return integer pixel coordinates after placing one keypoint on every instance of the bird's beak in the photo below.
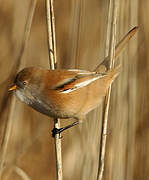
(14, 87)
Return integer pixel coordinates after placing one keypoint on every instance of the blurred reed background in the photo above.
(81, 27)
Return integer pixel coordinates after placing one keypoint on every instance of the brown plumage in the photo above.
(62, 93)
(66, 93)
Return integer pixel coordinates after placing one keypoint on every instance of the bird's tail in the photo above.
(104, 65)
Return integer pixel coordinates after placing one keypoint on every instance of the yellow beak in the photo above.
(14, 87)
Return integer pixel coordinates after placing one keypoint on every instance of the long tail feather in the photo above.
(104, 65)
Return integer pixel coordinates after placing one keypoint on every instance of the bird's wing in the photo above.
(73, 79)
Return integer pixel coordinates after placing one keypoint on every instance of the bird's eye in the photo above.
(24, 82)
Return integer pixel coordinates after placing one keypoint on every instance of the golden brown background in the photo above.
(26, 145)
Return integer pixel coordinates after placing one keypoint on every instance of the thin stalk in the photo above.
(107, 99)
(52, 62)
(13, 100)
(51, 33)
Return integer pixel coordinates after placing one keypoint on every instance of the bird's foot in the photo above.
(58, 131)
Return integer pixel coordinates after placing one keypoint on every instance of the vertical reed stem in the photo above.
(53, 61)
(13, 100)
(107, 99)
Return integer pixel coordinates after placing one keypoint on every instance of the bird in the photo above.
(64, 94)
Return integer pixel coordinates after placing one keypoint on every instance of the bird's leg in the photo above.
(58, 131)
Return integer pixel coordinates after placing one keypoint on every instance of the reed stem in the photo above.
(52, 61)
(10, 121)
(114, 7)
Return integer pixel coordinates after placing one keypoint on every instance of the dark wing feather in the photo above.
(78, 79)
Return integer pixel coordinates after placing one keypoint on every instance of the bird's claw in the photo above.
(56, 131)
